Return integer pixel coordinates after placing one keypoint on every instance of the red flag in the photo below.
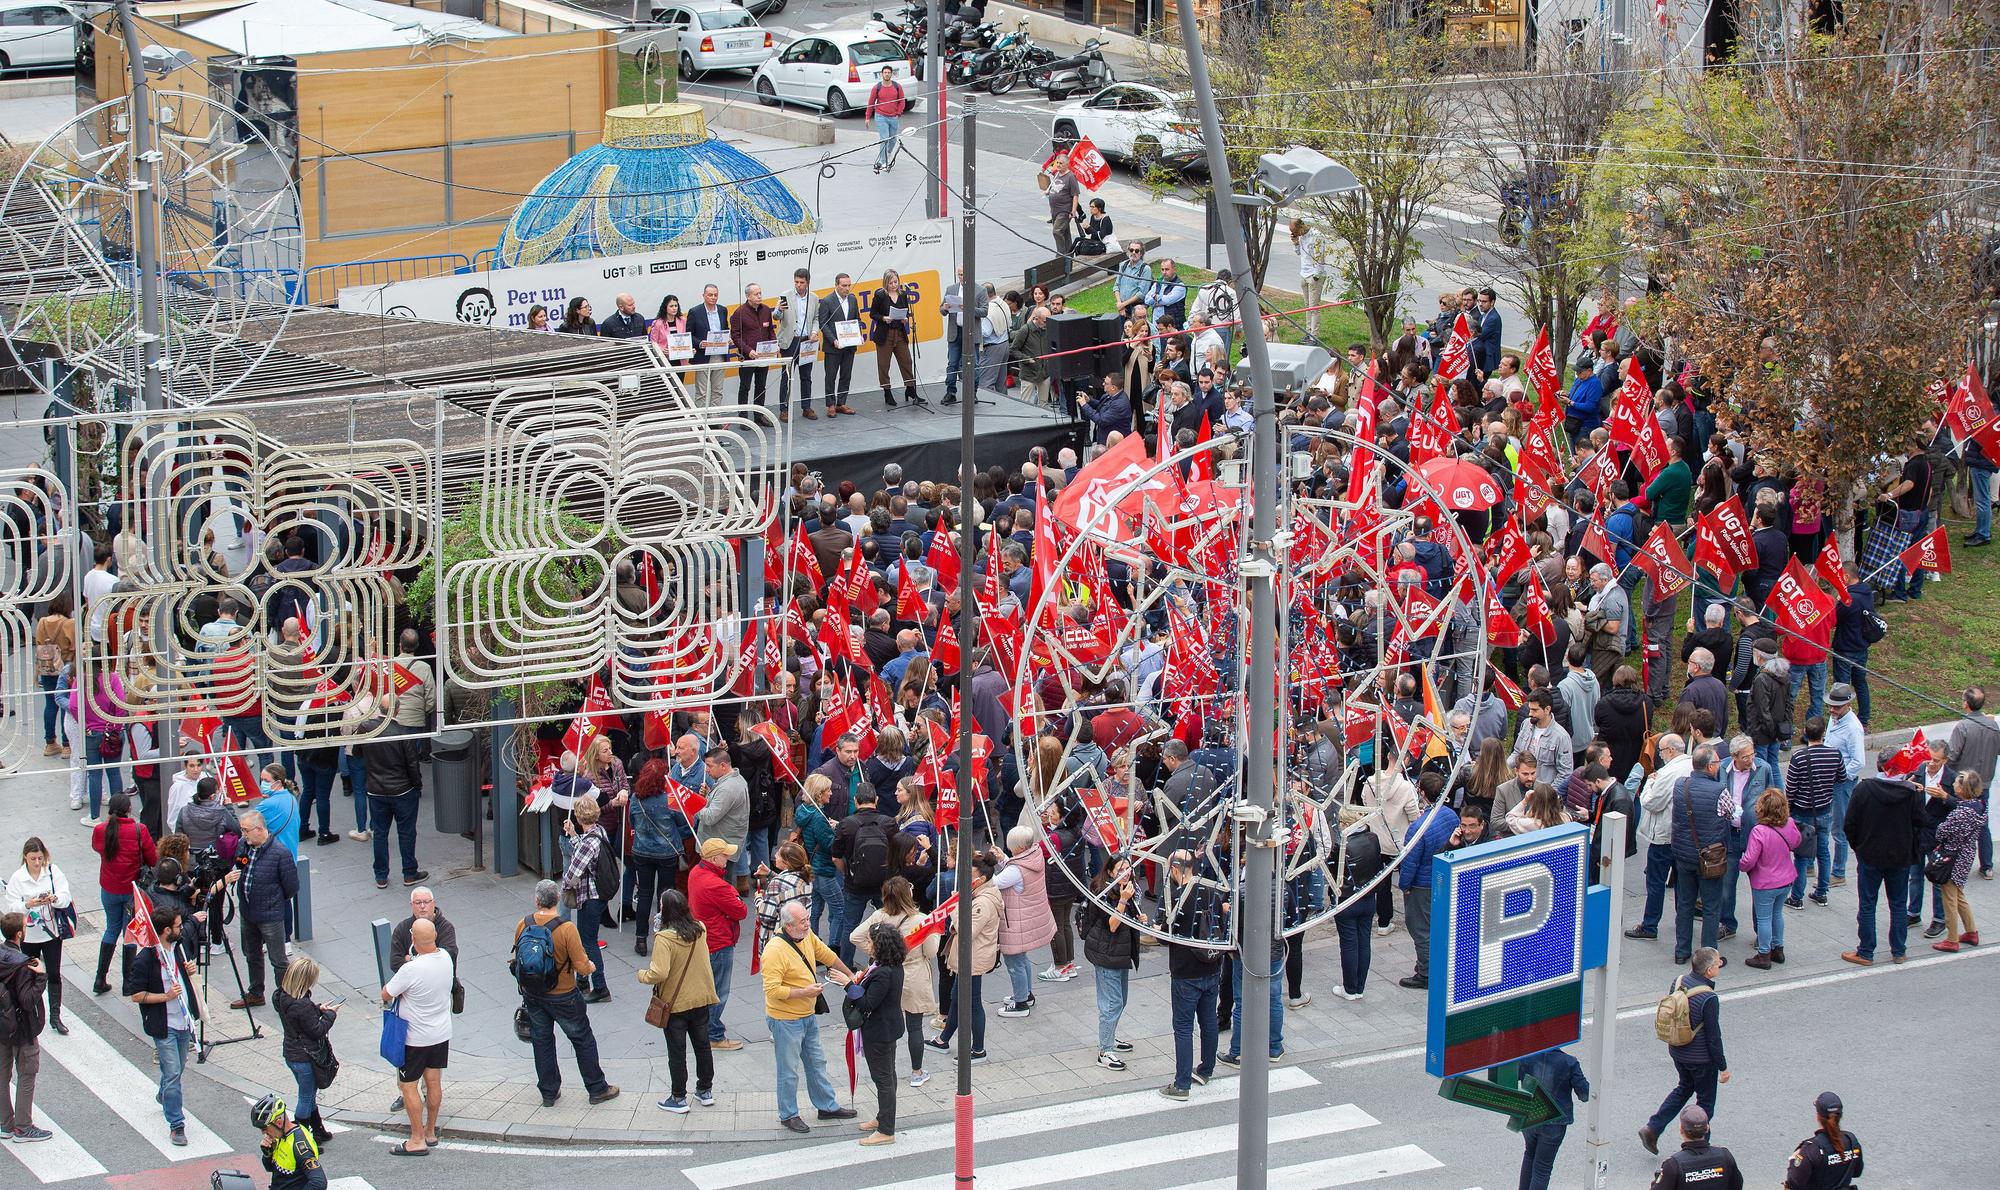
(239, 784)
(1598, 471)
(1635, 424)
(1098, 816)
(1538, 454)
(684, 801)
(1663, 560)
(934, 923)
(1796, 601)
(1357, 722)
(1456, 358)
(1504, 688)
(757, 946)
(1508, 551)
(1363, 411)
(1594, 542)
(944, 650)
(781, 749)
(1722, 541)
(1535, 612)
(910, 603)
(1970, 409)
(1501, 630)
(401, 680)
(1908, 758)
(1086, 504)
(586, 726)
(1542, 375)
(139, 931)
(649, 575)
(1829, 567)
(943, 559)
(1092, 171)
(860, 584)
(1930, 552)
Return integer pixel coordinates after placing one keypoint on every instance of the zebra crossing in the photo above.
(1136, 1138)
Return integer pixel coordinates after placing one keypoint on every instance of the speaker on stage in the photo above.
(1068, 333)
(1293, 365)
(1110, 357)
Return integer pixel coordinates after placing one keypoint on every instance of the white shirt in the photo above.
(180, 795)
(1205, 340)
(424, 983)
(21, 886)
(96, 585)
(1309, 256)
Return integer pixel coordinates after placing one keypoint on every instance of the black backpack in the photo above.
(604, 875)
(868, 863)
(22, 1007)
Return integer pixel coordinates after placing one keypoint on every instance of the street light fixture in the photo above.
(1299, 172)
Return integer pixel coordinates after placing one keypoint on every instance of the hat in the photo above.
(1766, 647)
(1827, 1103)
(717, 849)
(1694, 1119)
(1839, 695)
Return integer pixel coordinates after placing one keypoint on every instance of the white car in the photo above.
(1132, 122)
(706, 35)
(36, 33)
(834, 70)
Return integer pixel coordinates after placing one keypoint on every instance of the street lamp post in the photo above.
(968, 640)
(1300, 173)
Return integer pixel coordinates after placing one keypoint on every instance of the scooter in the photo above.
(1086, 72)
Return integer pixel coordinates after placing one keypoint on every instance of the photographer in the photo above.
(206, 820)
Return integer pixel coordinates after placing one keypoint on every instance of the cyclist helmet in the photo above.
(266, 1111)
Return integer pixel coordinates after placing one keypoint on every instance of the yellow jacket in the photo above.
(784, 970)
(676, 961)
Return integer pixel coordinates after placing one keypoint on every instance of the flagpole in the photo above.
(968, 631)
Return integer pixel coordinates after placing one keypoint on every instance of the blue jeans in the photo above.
(99, 776)
(978, 1018)
(1773, 755)
(886, 128)
(1538, 1162)
(1768, 905)
(172, 1051)
(1112, 986)
(1837, 826)
(1847, 668)
(1697, 1082)
(51, 713)
(1802, 863)
(1020, 976)
(1814, 677)
(1917, 884)
(1194, 1007)
(250, 737)
(795, 1044)
(857, 907)
(356, 772)
(1986, 833)
(1356, 945)
(589, 920)
(954, 357)
(1236, 1010)
(400, 811)
(1872, 881)
(827, 899)
(1659, 874)
(1739, 838)
(308, 1101)
(316, 790)
(722, 965)
(1982, 501)
(1688, 886)
(117, 914)
(544, 1014)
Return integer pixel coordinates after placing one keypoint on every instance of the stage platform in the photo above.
(924, 443)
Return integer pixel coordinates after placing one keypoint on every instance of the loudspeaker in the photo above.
(1110, 358)
(1068, 333)
(1293, 365)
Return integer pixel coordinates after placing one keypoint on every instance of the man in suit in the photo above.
(952, 306)
(708, 325)
(1486, 335)
(799, 342)
(835, 308)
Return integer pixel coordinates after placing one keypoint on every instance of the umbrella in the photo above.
(1463, 486)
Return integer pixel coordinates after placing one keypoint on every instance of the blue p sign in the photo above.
(1514, 921)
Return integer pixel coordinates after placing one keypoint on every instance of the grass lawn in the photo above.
(1337, 327)
(1940, 644)
(631, 84)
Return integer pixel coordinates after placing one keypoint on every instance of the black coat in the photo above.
(1770, 717)
(1622, 717)
(1113, 950)
(882, 1005)
(1883, 820)
(306, 1025)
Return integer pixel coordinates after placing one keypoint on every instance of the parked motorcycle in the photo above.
(1528, 200)
(1016, 62)
(1085, 71)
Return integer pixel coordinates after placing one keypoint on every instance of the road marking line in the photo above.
(59, 1158)
(994, 127)
(350, 1183)
(473, 1146)
(1025, 1122)
(1105, 1160)
(1183, 204)
(128, 1092)
(1451, 216)
(1339, 1171)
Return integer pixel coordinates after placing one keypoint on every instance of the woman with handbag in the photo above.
(308, 1045)
(1768, 858)
(55, 648)
(125, 847)
(104, 741)
(683, 989)
(1957, 846)
(40, 892)
(875, 1009)
(899, 911)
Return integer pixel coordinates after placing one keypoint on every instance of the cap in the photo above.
(717, 849)
(1766, 647)
(1827, 1102)
(1694, 1119)
(1839, 695)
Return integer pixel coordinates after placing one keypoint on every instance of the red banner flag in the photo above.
(1930, 552)
(1908, 758)
(1970, 409)
(1542, 374)
(943, 559)
(1830, 568)
(1665, 562)
(684, 801)
(586, 726)
(1501, 629)
(1456, 358)
(1598, 471)
(781, 749)
(944, 650)
(1722, 541)
(1796, 601)
(910, 605)
(934, 923)
(1535, 613)
(1509, 694)
(1090, 503)
(1088, 164)
(239, 783)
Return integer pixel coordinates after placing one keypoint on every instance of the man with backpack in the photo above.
(548, 958)
(22, 983)
(590, 880)
(862, 853)
(1689, 1020)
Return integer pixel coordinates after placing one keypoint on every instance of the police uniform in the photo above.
(1699, 1165)
(293, 1161)
(1818, 1165)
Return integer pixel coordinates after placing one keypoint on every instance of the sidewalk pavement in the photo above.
(490, 1091)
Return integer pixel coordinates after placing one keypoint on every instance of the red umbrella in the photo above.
(1460, 485)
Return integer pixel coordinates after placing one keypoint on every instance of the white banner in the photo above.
(923, 253)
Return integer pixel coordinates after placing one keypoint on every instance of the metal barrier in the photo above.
(242, 284)
(323, 282)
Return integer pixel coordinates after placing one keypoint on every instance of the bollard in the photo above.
(380, 928)
(303, 905)
(506, 796)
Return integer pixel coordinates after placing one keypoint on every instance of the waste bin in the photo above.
(455, 781)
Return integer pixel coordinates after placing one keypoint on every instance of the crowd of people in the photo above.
(817, 807)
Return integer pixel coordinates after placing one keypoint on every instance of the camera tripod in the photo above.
(221, 908)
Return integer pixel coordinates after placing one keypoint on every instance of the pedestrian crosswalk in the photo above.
(1134, 1138)
(129, 1092)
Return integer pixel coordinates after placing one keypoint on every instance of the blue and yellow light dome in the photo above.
(657, 180)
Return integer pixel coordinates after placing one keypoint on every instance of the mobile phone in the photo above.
(336, 1002)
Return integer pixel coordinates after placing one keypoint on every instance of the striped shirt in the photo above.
(1810, 777)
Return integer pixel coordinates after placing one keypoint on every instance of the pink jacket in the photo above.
(1768, 855)
(1026, 920)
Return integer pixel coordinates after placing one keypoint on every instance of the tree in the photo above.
(1344, 80)
(1544, 129)
(1825, 275)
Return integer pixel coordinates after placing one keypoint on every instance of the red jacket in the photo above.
(716, 904)
(135, 849)
(885, 99)
(1808, 647)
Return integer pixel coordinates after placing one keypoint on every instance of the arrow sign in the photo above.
(1523, 1109)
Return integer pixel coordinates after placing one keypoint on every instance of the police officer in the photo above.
(290, 1154)
(1698, 1165)
(1829, 1159)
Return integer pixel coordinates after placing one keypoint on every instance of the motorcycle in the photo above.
(1531, 199)
(1086, 71)
(1020, 60)
(909, 34)
(964, 35)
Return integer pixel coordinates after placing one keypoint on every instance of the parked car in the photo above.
(36, 33)
(833, 70)
(705, 35)
(1137, 123)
